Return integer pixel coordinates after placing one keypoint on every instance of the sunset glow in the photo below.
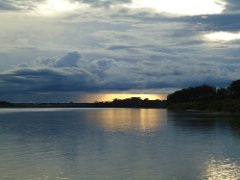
(99, 50)
(111, 96)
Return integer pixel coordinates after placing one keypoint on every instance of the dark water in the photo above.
(46, 144)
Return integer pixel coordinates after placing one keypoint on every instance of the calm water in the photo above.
(50, 144)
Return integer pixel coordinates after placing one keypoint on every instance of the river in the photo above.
(49, 144)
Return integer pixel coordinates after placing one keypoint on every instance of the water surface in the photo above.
(46, 144)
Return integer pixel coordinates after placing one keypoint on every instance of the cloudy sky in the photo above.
(67, 50)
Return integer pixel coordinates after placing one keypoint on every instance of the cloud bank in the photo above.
(71, 73)
(111, 46)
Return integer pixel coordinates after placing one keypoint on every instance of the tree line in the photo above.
(133, 102)
(206, 97)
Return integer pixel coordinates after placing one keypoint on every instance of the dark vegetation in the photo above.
(207, 98)
(134, 102)
(5, 104)
(204, 97)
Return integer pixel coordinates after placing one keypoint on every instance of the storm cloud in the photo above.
(94, 49)
(69, 60)
(110, 74)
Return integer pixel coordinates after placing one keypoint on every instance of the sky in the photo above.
(78, 50)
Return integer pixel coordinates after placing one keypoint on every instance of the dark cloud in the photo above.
(79, 75)
(120, 47)
(225, 21)
(69, 60)
(219, 22)
(46, 80)
(232, 6)
(5, 5)
(211, 22)
(101, 66)
(13, 5)
(228, 22)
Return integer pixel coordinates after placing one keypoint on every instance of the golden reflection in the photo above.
(223, 170)
(142, 120)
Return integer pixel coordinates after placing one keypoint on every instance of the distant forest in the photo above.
(204, 97)
(133, 102)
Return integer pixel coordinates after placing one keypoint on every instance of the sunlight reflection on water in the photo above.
(223, 169)
(47, 144)
(141, 120)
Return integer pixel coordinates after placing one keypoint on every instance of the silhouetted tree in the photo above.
(193, 94)
(234, 88)
(5, 104)
(134, 102)
(222, 93)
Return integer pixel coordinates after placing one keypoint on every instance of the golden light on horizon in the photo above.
(111, 96)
